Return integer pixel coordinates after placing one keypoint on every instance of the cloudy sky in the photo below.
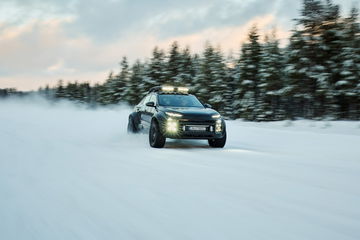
(42, 41)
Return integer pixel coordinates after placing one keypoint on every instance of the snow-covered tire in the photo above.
(156, 138)
(218, 143)
(132, 126)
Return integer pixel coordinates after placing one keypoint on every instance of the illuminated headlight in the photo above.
(175, 115)
(218, 126)
(172, 125)
(216, 116)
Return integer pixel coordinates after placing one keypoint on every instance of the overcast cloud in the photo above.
(43, 41)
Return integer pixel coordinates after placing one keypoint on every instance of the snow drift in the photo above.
(72, 173)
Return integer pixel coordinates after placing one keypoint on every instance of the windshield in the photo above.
(179, 101)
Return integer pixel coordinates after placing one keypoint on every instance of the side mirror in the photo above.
(206, 105)
(150, 104)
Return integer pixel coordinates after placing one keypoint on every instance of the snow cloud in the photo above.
(43, 41)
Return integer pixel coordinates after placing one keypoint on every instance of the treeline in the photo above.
(10, 92)
(316, 76)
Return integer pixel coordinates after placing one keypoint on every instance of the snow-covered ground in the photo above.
(70, 173)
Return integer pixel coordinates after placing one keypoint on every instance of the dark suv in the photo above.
(168, 112)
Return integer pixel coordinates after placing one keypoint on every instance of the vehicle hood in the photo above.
(192, 113)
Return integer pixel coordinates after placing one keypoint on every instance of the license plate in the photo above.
(197, 128)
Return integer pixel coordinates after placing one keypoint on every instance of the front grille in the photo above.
(185, 132)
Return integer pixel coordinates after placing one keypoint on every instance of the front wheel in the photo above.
(218, 143)
(156, 139)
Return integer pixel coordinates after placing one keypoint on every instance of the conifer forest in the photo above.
(316, 75)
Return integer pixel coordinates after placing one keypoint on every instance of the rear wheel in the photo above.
(132, 126)
(156, 139)
(218, 143)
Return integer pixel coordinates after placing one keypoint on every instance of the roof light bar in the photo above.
(183, 89)
(167, 89)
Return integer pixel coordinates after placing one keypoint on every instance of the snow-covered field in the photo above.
(70, 173)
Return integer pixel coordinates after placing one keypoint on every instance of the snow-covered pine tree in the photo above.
(187, 69)
(270, 80)
(249, 65)
(155, 70)
(312, 55)
(348, 88)
(237, 89)
(295, 92)
(96, 94)
(204, 74)
(196, 82)
(173, 68)
(106, 91)
(330, 57)
(85, 92)
(210, 81)
(218, 84)
(60, 89)
(118, 84)
(317, 32)
(228, 94)
(135, 91)
(71, 91)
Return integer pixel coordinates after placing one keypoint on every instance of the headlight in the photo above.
(175, 115)
(218, 126)
(216, 116)
(172, 125)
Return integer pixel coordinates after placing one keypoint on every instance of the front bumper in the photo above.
(183, 131)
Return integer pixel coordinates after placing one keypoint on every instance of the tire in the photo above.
(156, 138)
(132, 127)
(218, 143)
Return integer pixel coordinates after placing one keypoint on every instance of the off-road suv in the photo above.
(171, 112)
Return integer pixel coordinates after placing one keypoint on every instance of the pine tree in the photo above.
(312, 59)
(96, 94)
(156, 70)
(270, 80)
(173, 69)
(229, 82)
(187, 69)
(60, 90)
(295, 93)
(218, 84)
(196, 83)
(249, 65)
(134, 90)
(330, 53)
(106, 91)
(210, 81)
(204, 76)
(122, 82)
(348, 88)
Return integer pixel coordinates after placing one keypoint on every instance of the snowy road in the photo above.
(70, 174)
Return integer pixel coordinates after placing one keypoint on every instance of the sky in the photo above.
(42, 41)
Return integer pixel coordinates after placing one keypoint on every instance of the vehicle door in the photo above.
(152, 110)
(149, 111)
(141, 109)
